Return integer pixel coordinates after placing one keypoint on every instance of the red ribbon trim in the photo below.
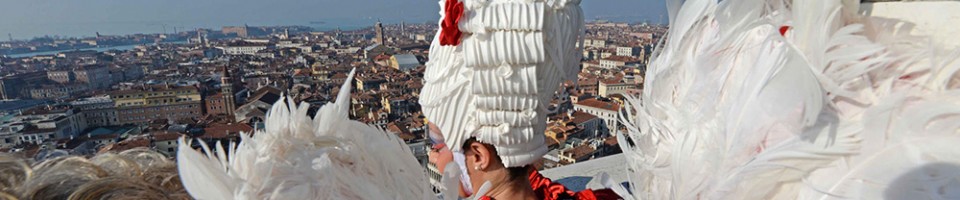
(449, 29)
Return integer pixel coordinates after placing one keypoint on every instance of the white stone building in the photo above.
(604, 110)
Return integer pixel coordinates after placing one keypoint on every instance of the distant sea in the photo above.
(99, 49)
(83, 30)
(26, 31)
(22, 31)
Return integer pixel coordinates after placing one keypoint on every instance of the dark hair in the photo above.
(514, 173)
(521, 172)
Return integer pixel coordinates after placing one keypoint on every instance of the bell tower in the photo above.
(381, 38)
(226, 88)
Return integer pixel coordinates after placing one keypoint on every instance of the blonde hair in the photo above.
(138, 173)
(5, 196)
(13, 172)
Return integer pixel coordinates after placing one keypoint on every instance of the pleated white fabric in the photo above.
(495, 85)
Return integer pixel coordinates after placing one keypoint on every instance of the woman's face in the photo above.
(440, 155)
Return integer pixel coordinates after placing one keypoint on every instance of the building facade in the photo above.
(404, 62)
(38, 125)
(98, 111)
(8, 138)
(57, 91)
(160, 102)
(604, 110)
(617, 62)
(596, 43)
(165, 142)
(607, 88)
(95, 76)
(214, 104)
(628, 51)
(18, 86)
(240, 31)
(61, 76)
(243, 48)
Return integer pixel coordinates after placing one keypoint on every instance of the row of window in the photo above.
(599, 114)
(63, 89)
(159, 116)
(131, 104)
(36, 138)
(157, 94)
(618, 86)
(164, 108)
(170, 101)
(100, 114)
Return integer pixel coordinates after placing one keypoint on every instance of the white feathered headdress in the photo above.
(495, 82)
(295, 157)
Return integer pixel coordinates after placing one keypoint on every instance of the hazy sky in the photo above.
(29, 18)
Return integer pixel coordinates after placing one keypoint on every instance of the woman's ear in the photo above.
(482, 156)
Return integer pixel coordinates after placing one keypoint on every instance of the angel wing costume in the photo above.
(295, 157)
(747, 99)
(494, 66)
(789, 99)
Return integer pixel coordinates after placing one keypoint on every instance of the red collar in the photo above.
(548, 190)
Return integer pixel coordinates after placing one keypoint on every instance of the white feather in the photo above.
(202, 176)
(328, 157)
(733, 110)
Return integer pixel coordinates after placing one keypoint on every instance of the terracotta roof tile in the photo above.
(126, 145)
(165, 135)
(580, 151)
(621, 59)
(581, 117)
(220, 131)
(599, 104)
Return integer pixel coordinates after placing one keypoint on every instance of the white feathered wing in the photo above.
(296, 157)
(732, 109)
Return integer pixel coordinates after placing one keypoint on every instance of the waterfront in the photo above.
(98, 49)
(318, 26)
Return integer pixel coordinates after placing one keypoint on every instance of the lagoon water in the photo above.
(99, 49)
(26, 31)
